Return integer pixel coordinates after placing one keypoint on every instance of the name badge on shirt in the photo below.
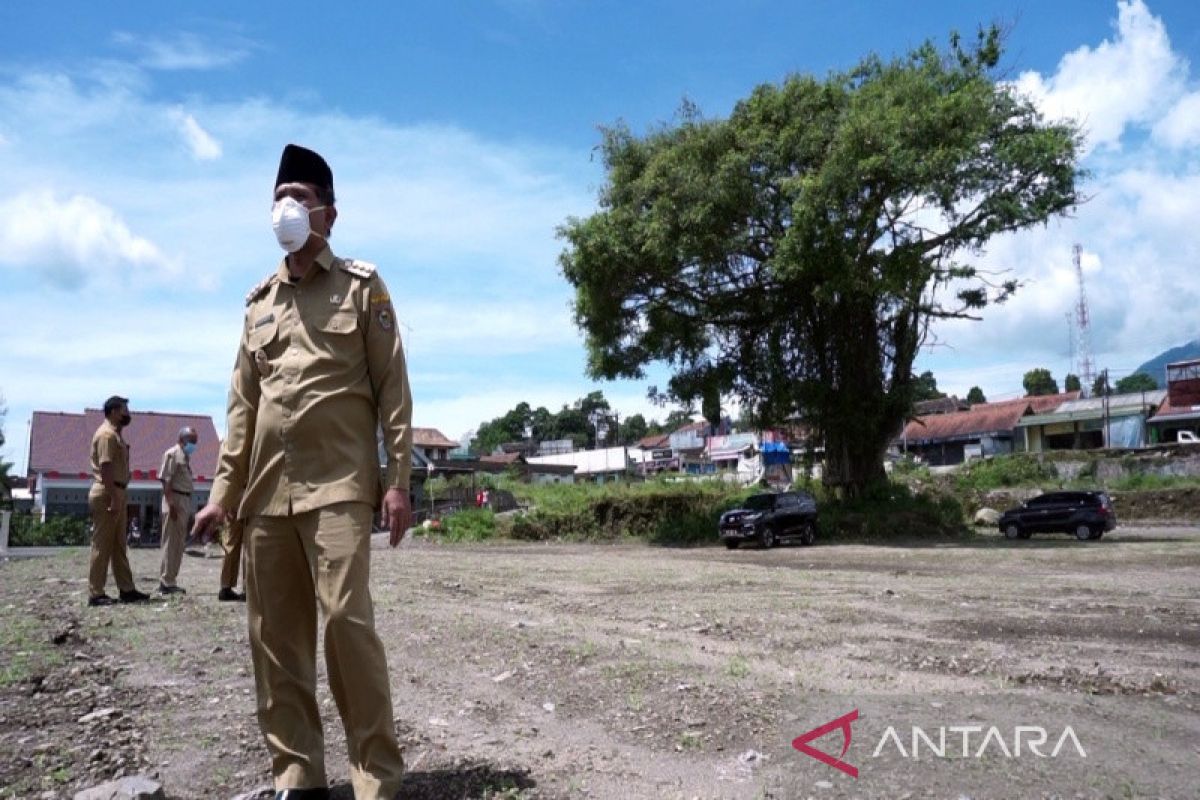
(267, 319)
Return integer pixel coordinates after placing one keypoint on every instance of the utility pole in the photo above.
(1104, 387)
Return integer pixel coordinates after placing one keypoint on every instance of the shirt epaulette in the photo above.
(258, 290)
(362, 269)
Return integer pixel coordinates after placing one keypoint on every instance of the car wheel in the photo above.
(731, 545)
(1012, 531)
(768, 538)
(808, 533)
(1083, 532)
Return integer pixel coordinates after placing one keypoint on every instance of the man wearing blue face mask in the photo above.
(176, 476)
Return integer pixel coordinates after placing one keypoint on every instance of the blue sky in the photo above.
(139, 140)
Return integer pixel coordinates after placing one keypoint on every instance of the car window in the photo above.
(1043, 500)
(760, 502)
(787, 501)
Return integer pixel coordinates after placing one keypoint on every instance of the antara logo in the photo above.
(1032, 737)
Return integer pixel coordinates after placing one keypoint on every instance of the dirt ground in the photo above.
(627, 671)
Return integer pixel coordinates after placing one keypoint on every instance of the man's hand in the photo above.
(397, 514)
(207, 521)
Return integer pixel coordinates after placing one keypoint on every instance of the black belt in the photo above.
(120, 485)
(184, 494)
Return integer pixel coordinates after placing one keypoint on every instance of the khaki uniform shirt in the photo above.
(176, 471)
(109, 448)
(319, 371)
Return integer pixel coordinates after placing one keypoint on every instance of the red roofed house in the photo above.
(1181, 410)
(983, 430)
(432, 443)
(60, 461)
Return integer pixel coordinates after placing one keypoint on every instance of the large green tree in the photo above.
(975, 396)
(925, 387)
(1071, 383)
(1137, 382)
(1039, 381)
(795, 254)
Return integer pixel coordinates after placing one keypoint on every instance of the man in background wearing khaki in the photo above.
(319, 369)
(176, 476)
(106, 501)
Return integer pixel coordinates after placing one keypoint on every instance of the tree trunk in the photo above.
(855, 430)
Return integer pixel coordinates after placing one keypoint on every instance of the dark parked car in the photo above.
(1086, 514)
(770, 519)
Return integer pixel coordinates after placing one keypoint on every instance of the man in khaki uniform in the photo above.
(176, 476)
(231, 543)
(320, 368)
(106, 501)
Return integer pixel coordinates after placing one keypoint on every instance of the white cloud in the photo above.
(201, 143)
(1128, 80)
(1141, 244)
(69, 239)
(184, 51)
(1180, 127)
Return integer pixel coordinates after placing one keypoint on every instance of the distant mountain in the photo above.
(1157, 367)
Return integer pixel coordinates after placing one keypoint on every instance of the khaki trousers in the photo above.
(174, 531)
(108, 542)
(294, 564)
(231, 543)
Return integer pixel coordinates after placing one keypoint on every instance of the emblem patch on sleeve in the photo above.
(386, 318)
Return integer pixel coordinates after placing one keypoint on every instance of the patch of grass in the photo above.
(737, 667)
(689, 740)
(25, 649)
(1147, 482)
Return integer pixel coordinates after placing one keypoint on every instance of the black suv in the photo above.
(1086, 514)
(770, 519)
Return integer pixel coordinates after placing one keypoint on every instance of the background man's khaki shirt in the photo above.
(319, 370)
(109, 448)
(176, 470)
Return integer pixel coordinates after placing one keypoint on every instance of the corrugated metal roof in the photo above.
(1166, 411)
(609, 459)
(62, 442)
(431, 437)
(1119, 405)
(983, 418)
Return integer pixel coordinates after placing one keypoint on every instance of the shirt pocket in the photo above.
(264, 347)
(339, 323)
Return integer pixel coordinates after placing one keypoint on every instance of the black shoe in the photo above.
(228, 595)
(302, 794)
(101, 600)
(164, 589)
(134, 596)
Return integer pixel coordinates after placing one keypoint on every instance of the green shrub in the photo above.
(469, 525)
(27, 531)
(1004, 471)
(891, 510)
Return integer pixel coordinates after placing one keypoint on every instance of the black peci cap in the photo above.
(301, 165)
(113, 403)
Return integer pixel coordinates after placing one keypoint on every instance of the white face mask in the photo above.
(289, 219)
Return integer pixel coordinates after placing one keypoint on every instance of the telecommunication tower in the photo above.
(1083, 329)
